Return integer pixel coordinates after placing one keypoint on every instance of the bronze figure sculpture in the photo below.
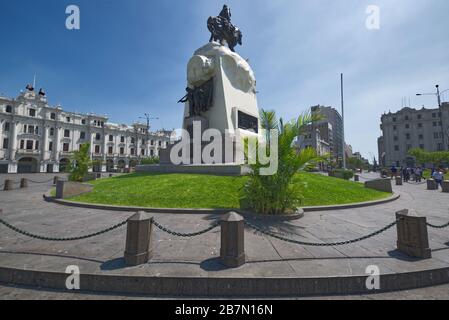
(199, 98)
(222, 29)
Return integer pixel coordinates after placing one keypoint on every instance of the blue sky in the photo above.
(130, 56)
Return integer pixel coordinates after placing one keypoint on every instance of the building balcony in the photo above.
(28, 152)
(65, 153)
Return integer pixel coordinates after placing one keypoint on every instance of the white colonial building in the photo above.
(37, 137)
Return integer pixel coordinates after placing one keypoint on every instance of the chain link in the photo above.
(317, 244)
(438, 227)
(26, 233)
(185, 235)
(47, 181)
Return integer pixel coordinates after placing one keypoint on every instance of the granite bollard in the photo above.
(232, 252)
(431, 184)
(9, 185)
(23, 183)
(445, 186)
(380, 185)
(138, 248)
(413, 239)
(399, 181)
(66, 189)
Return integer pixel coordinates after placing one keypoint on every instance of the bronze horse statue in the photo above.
(222, 30)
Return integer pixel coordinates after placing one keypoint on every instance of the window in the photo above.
(152, 153)
(395, 127)
(111, 150)
(36, 130)
(32, 112)
(132, 151)
(407, 126)
(8, 110)
(394, 119)
(52, 131)
(7, 125)
(53, 116)
(407, 118)
(395, 138)
(434, 123)
(132, 140)
(152, 142)
(142, 152)
(421, 146)
(97, 136)
(66, 133)
(82, 135)
(36, 145)
(83, 121)
(30, 129)
(5, 143)
(111, 138)
(440, 147)
(122, 150)
(407, 136)
(409, 146)
(421, 137)
(419, 116)
(97, 149)
(67, 119)
(396, 148)
(65, 147)
(50, 146)
(420, 125)
(122, 139)
(29, 144)
(22, 144)
(434, 115)
(160, 143)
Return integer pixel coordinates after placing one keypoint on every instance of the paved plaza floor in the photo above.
(197, 257)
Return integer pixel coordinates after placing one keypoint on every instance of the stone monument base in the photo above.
(217, 169)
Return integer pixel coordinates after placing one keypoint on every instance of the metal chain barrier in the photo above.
(317, 244)
(185, 235)
(26, 233)
(438, 227)
(47, 181)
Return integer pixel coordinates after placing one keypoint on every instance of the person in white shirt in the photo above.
(439, 177)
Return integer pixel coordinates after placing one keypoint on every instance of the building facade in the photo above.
(335, 137)
(409, 128)
(37, 137)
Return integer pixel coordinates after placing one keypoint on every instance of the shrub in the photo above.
(343, 174)
(281, 192)
(80, 163)
(151, 160)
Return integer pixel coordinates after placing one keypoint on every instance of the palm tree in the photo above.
(281, 192)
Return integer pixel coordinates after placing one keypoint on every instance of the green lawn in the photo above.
(208, 191)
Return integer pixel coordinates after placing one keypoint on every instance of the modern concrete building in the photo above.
(326, 134)
(37, 137)
(409, 128)
(335, 136)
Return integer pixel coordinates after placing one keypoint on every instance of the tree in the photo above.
(437, 158)
(80, 163)
(281, 192)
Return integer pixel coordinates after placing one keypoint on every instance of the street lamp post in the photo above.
(148, 118)
(438, 95)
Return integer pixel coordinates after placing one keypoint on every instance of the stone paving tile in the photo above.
(25, 208)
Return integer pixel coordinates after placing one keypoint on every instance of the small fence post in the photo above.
(9, 185)
(138, 248)
(413, 239)
(232, 252)
(431, 184)
(399, 181)
(23, 183)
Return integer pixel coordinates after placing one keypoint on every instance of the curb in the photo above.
(49, 198)
(226, 287)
